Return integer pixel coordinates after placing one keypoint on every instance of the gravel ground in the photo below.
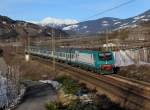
(37, 97)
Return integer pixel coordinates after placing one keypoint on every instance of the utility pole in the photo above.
(53, 51)
(16, 45)
(60, 36)
(27, 56)
(106, 39)
(118, 42)
(28, 44)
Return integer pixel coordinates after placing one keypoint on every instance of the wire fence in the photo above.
(139, 55)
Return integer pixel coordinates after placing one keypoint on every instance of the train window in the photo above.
(72, 56)
(105, 56)
(63, 54)
(66, 55)
(58, 54)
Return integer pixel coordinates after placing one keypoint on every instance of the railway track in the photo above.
(131, 94)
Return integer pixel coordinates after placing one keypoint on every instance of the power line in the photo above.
(110, 9)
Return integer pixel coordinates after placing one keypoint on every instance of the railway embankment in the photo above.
(35, 69)
(121, 90)
(74, 95)
(65, 94)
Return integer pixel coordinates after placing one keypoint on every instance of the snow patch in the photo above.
(134, 21)
(133, 26)
(55, 84)
(139, 17)
(58, 21)
(109, 45)
(117, 23)
(70, 27)
(84, 27)
(105, 24)
(145, 19)
(115, 20)
(34, 22)
(4, 22)
(124, 24)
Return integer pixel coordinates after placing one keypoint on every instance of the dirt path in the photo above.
(37, 100)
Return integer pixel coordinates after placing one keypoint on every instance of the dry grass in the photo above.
(139, 72)
(65, 99)
(33, 69)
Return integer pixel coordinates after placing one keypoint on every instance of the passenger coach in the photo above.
(100, 62)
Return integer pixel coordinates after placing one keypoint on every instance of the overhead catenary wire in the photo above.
(109, 9)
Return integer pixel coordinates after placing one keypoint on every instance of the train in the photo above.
(97, 61)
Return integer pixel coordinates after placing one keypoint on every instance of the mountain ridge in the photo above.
(111, 23)
(55, 22)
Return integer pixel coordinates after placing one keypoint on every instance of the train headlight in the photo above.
(27, 57)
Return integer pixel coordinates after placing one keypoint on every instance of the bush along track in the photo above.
(73, 95)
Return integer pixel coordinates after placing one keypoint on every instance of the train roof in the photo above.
(67, 49)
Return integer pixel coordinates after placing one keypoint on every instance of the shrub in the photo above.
(79, 105)
(69, 85)
(51, 106)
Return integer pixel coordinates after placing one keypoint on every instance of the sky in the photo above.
(37, 10)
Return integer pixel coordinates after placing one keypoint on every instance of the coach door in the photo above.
(76, 56)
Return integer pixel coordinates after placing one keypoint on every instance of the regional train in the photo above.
(97, 61)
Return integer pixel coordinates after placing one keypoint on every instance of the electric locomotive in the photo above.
(97, 61)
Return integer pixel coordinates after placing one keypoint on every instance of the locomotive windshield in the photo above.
(105, 56)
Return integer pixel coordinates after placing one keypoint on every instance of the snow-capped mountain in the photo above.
(92, 26)
(10, 28)
(96, 26)
(55, 22)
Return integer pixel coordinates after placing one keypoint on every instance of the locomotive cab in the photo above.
(106, 62)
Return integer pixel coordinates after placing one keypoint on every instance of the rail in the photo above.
(132, 94)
